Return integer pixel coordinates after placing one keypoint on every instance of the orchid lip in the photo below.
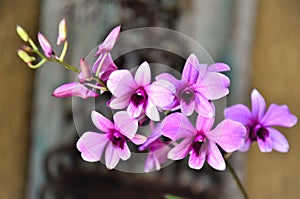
(139, 97)
(258, 132)
(187, 94)
(117, 139)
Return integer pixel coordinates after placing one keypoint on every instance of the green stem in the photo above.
(237, 180)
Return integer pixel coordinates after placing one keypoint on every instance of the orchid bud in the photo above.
(27, 48)
(22, 33)
(45, 45)
(62, 31)
(86, 72)
(25, 57)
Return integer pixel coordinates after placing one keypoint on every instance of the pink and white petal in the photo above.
(101, 122)
(151, 111)
(213, 86)
(239, 113)
(258, 104)
(197, 161)
(170, 78)
(204, 124)
(111, 156)
(191, 70)
(85, 71)
(246, 146)
(176, 126)
(279, 115)
(121, 82)
(135, 111)
(218, 67)
(143, 74)
(214, 157)
(265, 145)
(45, 44)
(181, 150)
(151, 163)
(91, 146)
(119, 102)
(124, 153)
(204, 107)
(138, 139)
(107, 68)
(229, 135)
(280, 143)
(161, 93)
(109, 41)
(125, 124)
(187, 108)
(73, 89)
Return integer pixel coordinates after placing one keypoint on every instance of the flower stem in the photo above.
(237, 180)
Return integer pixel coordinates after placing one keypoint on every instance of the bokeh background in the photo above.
(271, 36)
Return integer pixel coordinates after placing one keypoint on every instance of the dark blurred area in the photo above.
(265, 57)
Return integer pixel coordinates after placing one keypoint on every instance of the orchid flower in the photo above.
(77, 89)
(157, 150)
(259, 123)
(112, 141)
(199, 84)
(201, 142)
(104, 64)
(137, 94)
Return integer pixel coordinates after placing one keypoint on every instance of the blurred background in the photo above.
(260, 40)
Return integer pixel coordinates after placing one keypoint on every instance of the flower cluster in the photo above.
(167, 103)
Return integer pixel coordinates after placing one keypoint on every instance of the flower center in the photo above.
(117, 139)
(198, 141)
(258, 131)
(187, 94)
(139, 97)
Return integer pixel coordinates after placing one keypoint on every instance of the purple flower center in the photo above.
(258, 131)
(117, 138)
(139, 97)
(187, 94)
(198, 141)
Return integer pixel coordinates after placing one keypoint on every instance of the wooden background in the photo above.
(276, 63)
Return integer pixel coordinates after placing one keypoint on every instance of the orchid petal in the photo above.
(86, 72)
(214, 157)
(197, 161)
(73, 89)
(111, 156)
(280, 143)
(247, 145)
(107, 66)
(91, 146)
(176, 126)
(258, 105)
(119, 102)
(213, 86)
(265, 145)
(191, 70)
(125, 124)
(151, 111)
(279, 115)
(229, 135)
(138, 139)
(135, 111)
(121, 83)
(204, 124)
(101, 122)
(218, 67)
(204, 107)
(47, 48)
(187, 108)
(143, 75)
(124, 153)
(151, 163)
(239, 113)
(170, 78)
(109, 41)
(181, 150)
(161, 93)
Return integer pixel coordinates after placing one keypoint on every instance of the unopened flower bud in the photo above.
(22, 33)
(62, 31)
(25, 57)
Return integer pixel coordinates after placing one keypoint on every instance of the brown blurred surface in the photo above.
(276, 68)
(16, 91)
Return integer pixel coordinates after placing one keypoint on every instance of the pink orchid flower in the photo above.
(138, 94)
(157, 150)
(113, 141)
(77, 89)
(201, 142)
(198, 86)
(259, 123)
